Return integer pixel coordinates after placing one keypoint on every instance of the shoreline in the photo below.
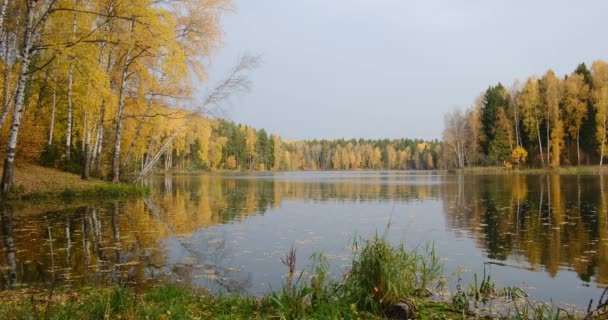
(37, 183)
(566, 170)
(570, 170)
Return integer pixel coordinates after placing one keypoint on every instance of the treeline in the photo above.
(94, 86)
(545, 122)
(220, 144)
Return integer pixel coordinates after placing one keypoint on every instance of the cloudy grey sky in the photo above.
(392, 68)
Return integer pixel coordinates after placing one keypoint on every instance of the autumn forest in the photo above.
(544, 122)
(108, 89)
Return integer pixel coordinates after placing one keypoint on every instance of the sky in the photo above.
(392, 68)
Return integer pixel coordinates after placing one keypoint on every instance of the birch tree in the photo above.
(576, 93)
(454, 136)
(532, 114)
(551, 96)
(35, 17)
(236, 82)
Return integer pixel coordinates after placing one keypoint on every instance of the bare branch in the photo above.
(236, 82)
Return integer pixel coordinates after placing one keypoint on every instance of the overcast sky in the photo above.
(392, 68)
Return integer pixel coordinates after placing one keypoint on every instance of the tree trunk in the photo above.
(516, 120)
(548, 145)
(578, 146)
(119, 118)
(52, 125)
(11, 145)
(2, 14)
(540, 144)
(68, 137)
(96, 158)
(99, 159)
(117, 142)
(6, 101)
(85, 130)
(87, 157)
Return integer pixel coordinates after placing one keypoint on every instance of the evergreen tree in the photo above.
(495, 98)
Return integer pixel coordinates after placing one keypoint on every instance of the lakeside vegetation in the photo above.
(384, 281)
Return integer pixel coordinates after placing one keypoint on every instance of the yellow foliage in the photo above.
(421, 147)
(231, 162)
(519, 156)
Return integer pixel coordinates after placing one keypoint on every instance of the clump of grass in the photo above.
(316, 296)
(484, 291)
(383, 275)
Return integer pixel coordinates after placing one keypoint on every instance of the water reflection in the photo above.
(553, 221)
(226, 232)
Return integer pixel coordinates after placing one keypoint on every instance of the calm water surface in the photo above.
(545, 233)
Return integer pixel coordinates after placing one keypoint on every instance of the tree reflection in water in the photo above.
(551, 222)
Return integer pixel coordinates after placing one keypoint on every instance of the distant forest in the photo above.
(546, 122)
(233, 146)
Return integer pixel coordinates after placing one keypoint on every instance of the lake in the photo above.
(547, 234)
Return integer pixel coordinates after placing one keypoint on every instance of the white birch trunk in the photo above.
(540, 144)
(7, 83)
(578, 146)
(2, 14)
(68, 138)
(11, 145)
(52, 125)
(119, 118)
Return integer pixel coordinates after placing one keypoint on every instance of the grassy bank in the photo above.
(35, 182)
(383, 282)
(575, 170)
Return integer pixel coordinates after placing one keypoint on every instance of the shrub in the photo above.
(50, 155)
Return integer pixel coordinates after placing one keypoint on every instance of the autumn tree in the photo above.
(455, 136)
(35, 16)
(551, 92)
(250, 144)
(532, 114)
(391, 157)
(600, 101)
(576, 93)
